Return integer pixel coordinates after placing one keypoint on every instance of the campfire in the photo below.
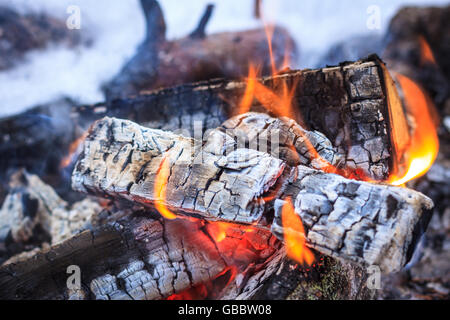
(186, 186)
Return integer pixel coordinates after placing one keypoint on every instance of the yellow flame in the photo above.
(424, 143)
(426, 54)
(161, 180)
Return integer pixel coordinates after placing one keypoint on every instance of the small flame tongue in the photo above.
(161, 181)
(294, 235)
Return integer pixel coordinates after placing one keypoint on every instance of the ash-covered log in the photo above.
(33, 215)
(215, 180)
(366, 223)
(354, 220)
(139, 257)
(161, 63)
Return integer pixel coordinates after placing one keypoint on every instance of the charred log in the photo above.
(349, 104)
(352, 220)
(34, 215)
(138, 257)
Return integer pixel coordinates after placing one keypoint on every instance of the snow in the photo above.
(117, 27)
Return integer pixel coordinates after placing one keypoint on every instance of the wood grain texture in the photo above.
(139, 257)
(366, 223)
(353, 220)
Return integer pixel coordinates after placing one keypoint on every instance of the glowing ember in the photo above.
(160, 190)
(207, 290)
(425, 143)
(294, 235)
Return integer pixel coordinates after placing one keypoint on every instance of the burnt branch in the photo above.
(155, 23)
(199, 32)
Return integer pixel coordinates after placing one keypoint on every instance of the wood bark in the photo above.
(161, 63)
(139, 257)
(354, 220)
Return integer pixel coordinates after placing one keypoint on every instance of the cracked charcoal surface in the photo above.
(370, 224)
(121, 158)
(280, 137)
(138, 257)
(352, 220)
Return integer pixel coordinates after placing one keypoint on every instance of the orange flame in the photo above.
(426, 54)
(160, 189)
(67, 160)
(425, 143)
(294, 235)
(218, 229)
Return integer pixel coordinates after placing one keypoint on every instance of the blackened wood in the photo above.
(352, 220)
(138, 257)
(348, 103)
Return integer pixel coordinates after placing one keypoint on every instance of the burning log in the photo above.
(353, 220)
(355, 105)
(349, 104)
(121, 158)
(138, 257)
(162, 63)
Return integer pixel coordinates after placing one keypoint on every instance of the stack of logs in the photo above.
(128, 251)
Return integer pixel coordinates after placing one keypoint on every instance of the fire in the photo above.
(218, 230)
(425, 143)
(426, 55)
(294, 235)
(74, 146)
(160, 189)
(207, 290)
